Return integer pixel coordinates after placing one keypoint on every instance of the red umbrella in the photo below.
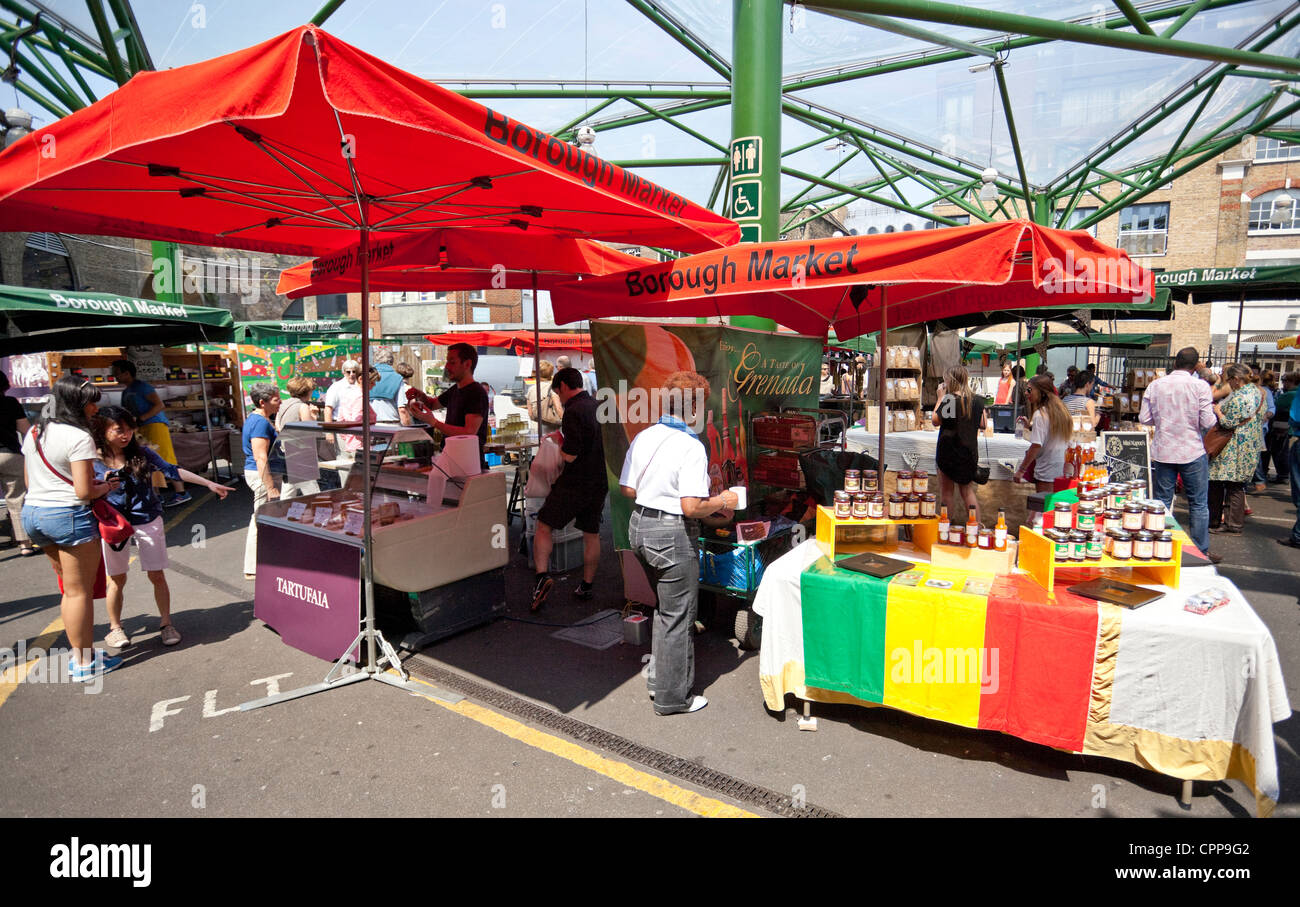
(862, 284)
(812, 285)
(520, 342)
(456, 259)
(282, 147)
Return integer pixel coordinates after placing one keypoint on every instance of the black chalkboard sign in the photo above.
(1126, 456)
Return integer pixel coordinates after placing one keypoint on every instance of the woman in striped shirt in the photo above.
(1080, 403)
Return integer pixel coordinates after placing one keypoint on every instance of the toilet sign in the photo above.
(746, 156)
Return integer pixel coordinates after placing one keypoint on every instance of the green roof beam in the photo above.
(1191, 121)
(868, 196)
(1133, 16)
(137, 51)
(682, 36)
(718, 185)
(884, 23)
(108, 42)
(325, 12)
(721, 95)
(634, 119)
(844, 159)
(586, 115)
(817, 141)
(993, 20)
(637, 102)
(817, 216)
(67, 91)
(1183, 18)
(67, 100)
(670, 162)
(885, 176)
(1271, 76)
(1011, 131)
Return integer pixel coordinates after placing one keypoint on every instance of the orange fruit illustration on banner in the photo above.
(665, 354)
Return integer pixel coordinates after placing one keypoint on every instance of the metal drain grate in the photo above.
(657, 760)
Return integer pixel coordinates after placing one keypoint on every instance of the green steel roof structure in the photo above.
(1081, 107)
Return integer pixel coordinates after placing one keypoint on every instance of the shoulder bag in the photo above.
(114, 528)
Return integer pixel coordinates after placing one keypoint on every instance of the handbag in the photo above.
(114, 528)
(982, 472)
(1216, 439)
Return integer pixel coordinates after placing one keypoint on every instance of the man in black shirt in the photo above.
(466, 401)
(579, 493)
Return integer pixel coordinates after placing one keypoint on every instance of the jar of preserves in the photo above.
(860, 506)
(1114, 519)
(895, 506)
(920, 481)
(956, 535)
(1155, 516)
(1060, 543)
(904, 482)
(875, 505)
(1164, 548)
(929, 504)
(870, 482)
(852, 480)
(1121, 545)
(1134, 516)
(1137, 491)
(1062, 515)
(912, 507)
(1116, 495)
(1086, 518)
(1078, 545)
(1144, 546)
(986, 538)
(843, 505)
(1096, 545)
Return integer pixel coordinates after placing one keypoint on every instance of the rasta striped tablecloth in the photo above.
(1186, 695)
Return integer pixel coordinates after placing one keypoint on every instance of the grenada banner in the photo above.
(749, 372)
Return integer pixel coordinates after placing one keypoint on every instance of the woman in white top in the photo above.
(59, 452)
(1050, 431)
(1080, 403)
(667, 471)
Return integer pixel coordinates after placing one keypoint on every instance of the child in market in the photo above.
(123, 455)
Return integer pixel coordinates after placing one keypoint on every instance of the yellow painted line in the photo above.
(610, 768)
(13, 676)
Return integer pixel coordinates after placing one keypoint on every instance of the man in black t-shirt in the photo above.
(466, 401)
(579, 493)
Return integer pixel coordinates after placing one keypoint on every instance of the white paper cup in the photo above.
(739, 492)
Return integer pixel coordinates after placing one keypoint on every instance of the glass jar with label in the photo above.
(1144, 546)
(860, 506)
(1134, 516)
(1062, 515)
(904, 482)
(1121, 545)
(920, 481)
(870, 481)
(852, 480)
(1078, 545)
(986, 538)
(1155, 516)
(1086, 518)
(1137, 491)
(929, 503)
(1116, 495)
(956, 535)
(1096, 545)
(1114, 519)
(1164, 548)
(843, 505)
(876, 506)
(1060, 540)
(895, 506)
(912, 507)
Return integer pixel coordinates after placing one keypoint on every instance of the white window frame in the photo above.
(1152, 233)
(1256, 209)
(480, 314)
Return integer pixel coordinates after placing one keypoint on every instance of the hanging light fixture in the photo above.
(1283, 206)
(17, 123)
(989, 191)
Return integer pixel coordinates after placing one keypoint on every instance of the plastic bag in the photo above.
(545, 469)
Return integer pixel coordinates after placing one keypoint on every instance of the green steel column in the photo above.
(1043, 213)
(754, 194)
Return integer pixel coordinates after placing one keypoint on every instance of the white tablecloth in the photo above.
(915, 450)
(1191, 696)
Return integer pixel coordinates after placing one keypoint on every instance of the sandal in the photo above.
(170, 635)
(27, 551)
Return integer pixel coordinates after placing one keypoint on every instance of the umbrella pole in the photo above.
(1241, 310)
(368, 590)
(1015, 384)
(881, 350)
(537, 365)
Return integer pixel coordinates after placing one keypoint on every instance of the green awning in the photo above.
(1229, 284)
(1054, 340)
(34, 321)
(292, 333)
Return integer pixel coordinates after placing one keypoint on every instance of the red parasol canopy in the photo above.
(281, 146)
(455, 259)
(812, 285)
(520, 342)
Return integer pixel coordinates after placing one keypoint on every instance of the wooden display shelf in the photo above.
(975, 560)
(925, 533)
(1038, 559)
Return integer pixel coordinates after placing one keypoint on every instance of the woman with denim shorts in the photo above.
(59, 452)
(667, 471)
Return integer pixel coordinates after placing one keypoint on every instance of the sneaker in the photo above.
(584, 592)
(170, 635)
(102, 664)
(696, 703)
(176, 500)
(540, 591)
(1214, 558)
(117, 638)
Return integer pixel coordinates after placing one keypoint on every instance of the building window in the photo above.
(436, 296)
(481, 314)
(1269, 149)
(332, 305)
(475, 296)
(46, 264)
(1144, 229)
(1265, 210)
(1077, 215)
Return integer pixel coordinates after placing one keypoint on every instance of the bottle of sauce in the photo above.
(943, 522)
(1000, 532)
(972, 531)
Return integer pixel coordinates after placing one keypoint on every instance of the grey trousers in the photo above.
(11, 483)
(667, 547)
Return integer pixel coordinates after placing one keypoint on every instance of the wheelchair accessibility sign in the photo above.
(745, 199)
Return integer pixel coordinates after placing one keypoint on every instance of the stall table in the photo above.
(193, 453)
(1189, 696)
